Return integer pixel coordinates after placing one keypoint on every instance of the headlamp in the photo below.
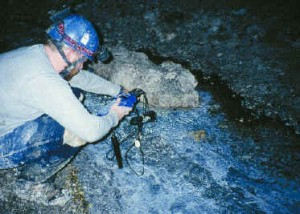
(103, 55)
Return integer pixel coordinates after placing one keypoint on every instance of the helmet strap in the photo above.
(70, 66)
(69, 71)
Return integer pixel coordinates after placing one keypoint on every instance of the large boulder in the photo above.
(166, 85)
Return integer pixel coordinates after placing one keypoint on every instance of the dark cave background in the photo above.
(24, 22)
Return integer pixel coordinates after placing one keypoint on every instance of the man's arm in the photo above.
(55, 98)
(91, 82)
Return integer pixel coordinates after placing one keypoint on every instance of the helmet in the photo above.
(76, 32)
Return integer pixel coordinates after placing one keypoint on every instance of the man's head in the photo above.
(77, 33)
(76, 40)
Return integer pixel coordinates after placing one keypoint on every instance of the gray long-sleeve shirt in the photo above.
(30, 87)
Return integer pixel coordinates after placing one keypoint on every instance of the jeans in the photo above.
(37, 143)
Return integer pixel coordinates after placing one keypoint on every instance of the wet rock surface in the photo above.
(196, 160)
(245, 57)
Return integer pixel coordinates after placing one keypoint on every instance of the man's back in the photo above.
(17, 69)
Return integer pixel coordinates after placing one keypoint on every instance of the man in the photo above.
(41, 120)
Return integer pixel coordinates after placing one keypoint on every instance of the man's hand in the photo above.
(72, 140)
(120, 110)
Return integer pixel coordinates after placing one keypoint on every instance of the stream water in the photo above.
(196, 161)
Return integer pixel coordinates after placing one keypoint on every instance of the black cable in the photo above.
(142, 157)
(139, 121)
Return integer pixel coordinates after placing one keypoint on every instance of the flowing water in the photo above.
(196, 161)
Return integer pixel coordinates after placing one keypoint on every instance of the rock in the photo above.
(43, 193)
(166, 85)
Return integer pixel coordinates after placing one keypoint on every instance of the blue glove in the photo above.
(127, 99)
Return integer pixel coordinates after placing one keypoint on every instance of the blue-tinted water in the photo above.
(196, 161)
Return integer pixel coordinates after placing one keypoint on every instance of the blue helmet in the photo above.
(76, 32)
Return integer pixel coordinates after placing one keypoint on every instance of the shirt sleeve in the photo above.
(91, 82)
(55, 98)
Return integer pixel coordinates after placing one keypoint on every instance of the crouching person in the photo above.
(42, 122)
